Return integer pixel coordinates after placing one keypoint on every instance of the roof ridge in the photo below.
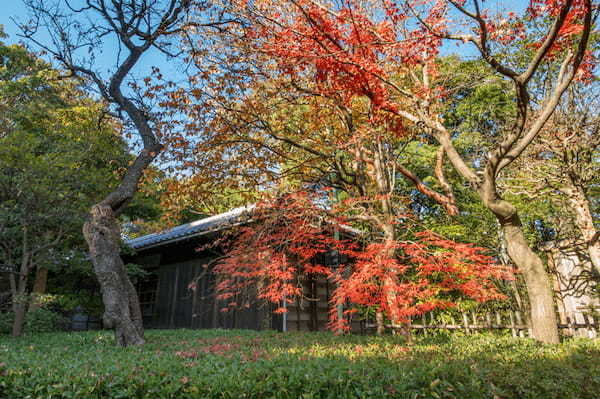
(188, 229)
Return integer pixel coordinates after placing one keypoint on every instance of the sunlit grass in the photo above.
(233, 363)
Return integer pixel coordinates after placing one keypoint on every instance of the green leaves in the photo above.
(59, 154)
(296, 365)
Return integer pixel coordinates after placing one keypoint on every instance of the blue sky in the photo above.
(10, 9)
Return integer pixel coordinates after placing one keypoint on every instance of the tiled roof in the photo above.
(204, 226)
(198, 227)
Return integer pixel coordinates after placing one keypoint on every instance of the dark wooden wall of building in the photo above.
(168, 302)
(175, 305)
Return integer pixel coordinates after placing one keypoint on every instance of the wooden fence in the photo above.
(514, 321)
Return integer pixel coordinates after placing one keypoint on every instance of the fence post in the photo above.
(512, 323)
(488, 320)
(424, 322)
(520, 324)
(466, 323)
(588, 325)
(570, 325)
(498, 320)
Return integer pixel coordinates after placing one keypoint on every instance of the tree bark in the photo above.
(19, 307)
(506, 261)
(121, 306)
(39, 288)
(19, 320)
(539, 289)
(385, 189)
(19, 295)
(380, 324)
(584, 221)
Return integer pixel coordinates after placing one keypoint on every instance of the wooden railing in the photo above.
(514, 321)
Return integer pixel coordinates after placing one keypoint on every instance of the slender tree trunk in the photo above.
(39, 288)
(584, 220)
(20, 299)
(19, 321)
(539, 289)
(385, 188)
(20, 306)
(389, 236)
(379, 319)
(121, 307)
(390, 280)
(13, 291)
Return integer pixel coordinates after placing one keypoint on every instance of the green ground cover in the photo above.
(248, 364)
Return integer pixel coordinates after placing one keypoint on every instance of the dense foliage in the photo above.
(356, 95)
(38, 321)
(289, 239)
(427, 152)
(60, 152)
(245, 364)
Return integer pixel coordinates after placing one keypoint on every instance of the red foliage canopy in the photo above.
(269, 258)
(355, 48)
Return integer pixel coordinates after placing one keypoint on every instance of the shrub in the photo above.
(71, 301)
(6, 322)
(44, 320)
(247, 364)
(38, 321)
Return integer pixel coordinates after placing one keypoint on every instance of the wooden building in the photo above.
(173, 260)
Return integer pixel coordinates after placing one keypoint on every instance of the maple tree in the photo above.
(284, 141)
(385, 53)
(287, 240)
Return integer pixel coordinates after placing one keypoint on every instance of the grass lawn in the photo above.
(248, 364)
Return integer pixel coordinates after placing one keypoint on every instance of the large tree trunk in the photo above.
(584, 220)
(39, 288)
(506, 261)
(539, 289)
(121, 306)
(103, 235)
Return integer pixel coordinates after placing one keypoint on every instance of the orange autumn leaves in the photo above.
(384, 56)
(291, 237)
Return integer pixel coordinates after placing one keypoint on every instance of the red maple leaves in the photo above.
(269, 258)
(355, 51)
(265, 258)
(422, 275)
(345, 48)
